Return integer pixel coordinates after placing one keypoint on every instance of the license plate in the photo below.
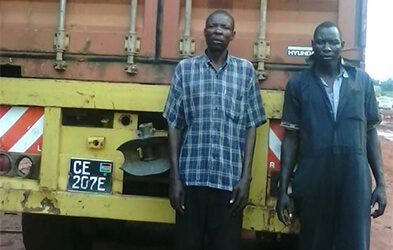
(86, 175)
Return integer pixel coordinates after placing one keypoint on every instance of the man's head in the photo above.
(327, 43)
(219, 30)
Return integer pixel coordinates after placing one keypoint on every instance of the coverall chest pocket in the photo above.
(232, 104)
(354, 108)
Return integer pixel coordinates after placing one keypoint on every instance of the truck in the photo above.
(82, 89)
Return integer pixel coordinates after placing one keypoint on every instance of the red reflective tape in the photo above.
(20, 127)
(3, 110)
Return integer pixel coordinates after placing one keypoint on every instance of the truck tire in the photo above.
(48, 232)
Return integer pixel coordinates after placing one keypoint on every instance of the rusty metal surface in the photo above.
(149, 73)
(99, 29)
(288, 24)
(29, 27)
(95, 28)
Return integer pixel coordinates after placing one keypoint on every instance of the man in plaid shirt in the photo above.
(213, 109)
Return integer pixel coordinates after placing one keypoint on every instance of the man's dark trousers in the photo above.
(207, 221)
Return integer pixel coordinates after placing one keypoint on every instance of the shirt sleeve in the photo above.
(291, 110)
(254, 106)
(174, 109)
(371, 106)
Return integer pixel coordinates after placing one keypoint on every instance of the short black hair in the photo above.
(221, 12)
(326, 24)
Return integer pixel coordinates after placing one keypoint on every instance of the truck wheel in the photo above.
(48, 232)
(276, 241)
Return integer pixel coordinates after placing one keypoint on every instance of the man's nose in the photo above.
(218, 30)
(326, 47)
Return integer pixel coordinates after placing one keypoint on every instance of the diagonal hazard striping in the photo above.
(36, 146)
(21, 129)
(275, 144)
(3, 110)
(10, 118)
(276, 133)
(29, 138)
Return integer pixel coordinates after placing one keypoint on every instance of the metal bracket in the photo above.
(261, 54)
(132, 46)
(61, 43)
(146, 130)
(187, 46)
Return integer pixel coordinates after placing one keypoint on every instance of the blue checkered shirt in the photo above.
(214, 109)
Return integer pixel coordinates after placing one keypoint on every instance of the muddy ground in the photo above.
(381, 230)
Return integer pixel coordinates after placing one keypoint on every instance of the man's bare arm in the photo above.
(176, 189)
(289, 152)
(375, 160)
(240, 191)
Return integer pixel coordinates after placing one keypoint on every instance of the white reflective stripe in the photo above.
(275, 144)
(29, 138)
(10, 118)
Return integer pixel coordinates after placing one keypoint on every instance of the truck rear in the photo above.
(83, 87)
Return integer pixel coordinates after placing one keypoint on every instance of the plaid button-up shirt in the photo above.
(214, 109)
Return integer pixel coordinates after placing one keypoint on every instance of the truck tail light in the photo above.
(25, 166)
(5, 164)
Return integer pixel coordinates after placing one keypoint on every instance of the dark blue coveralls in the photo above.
(332, 182)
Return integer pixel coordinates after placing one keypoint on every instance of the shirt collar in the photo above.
(207, 60)
(342, 74)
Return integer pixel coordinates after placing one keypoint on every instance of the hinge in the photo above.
(186, 46)
(261, 54)
(61, 43)
(132, 46)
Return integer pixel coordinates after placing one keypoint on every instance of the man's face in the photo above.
(327, 45)
(219, 32)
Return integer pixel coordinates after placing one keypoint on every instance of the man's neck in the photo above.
(327, 70)
(217, 58)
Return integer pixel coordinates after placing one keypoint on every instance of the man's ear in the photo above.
(312, 43)
(342, 44)
(233, 35)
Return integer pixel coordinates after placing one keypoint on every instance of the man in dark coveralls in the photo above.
(330, 114)
(213, 108)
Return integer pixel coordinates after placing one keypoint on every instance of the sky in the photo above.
(379, 44)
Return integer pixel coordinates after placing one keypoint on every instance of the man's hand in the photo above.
(239, 198)
(176, 195)
(378, 196)
(284, 205)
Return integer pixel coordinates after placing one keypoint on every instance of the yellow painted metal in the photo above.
(62, 142)
(118, 125)
(123, 207)
(273, 101)
(265, 219)
(50, 148)
(259, 174)
(136, 208)
(102, 95)
(95, 142)
(8, 182)
(83, 94)
(73, 144)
